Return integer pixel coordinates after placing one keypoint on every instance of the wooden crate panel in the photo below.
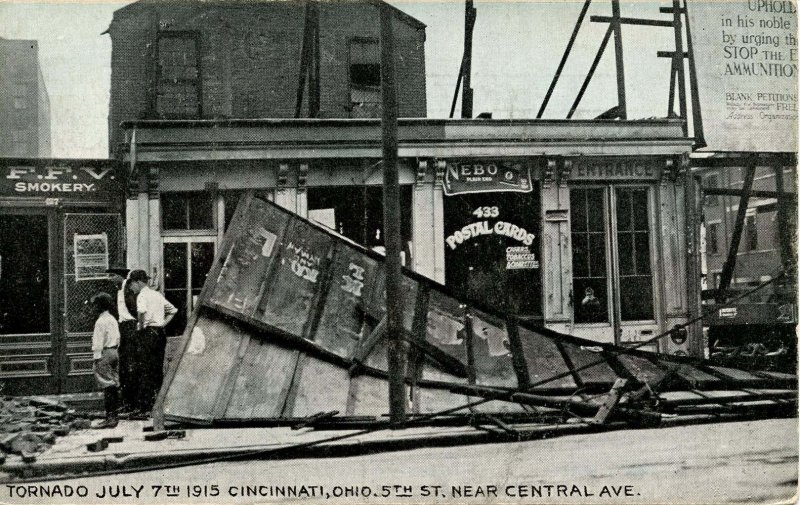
(491, 352)
(368, 396)
(243, 276)
(320, 387)
(341, 322)
(204, 367)
(292, 287)
(544, 360)
(263, 381)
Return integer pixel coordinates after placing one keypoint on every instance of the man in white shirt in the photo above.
(154, 312)
(105, 341)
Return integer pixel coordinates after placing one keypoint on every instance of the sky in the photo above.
(517, 47)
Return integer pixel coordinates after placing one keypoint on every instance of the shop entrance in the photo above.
(27, 361)
(492, 250)
(612, 268)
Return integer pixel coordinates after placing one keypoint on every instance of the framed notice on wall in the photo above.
(746, 57)
(91, 256)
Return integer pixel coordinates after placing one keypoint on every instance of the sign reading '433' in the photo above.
(485, 176)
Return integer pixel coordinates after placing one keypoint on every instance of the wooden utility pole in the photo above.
(391, 224)
(469, 25)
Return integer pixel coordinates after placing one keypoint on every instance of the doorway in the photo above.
(612, 260)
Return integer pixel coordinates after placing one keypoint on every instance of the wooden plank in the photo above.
(494, 365)
(293, 285)
(244, 274)
(213, 346)
(320, 387)
(341, 320)
(262, 383)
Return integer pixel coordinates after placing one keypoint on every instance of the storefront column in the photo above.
(556, 251)
(143, 225)
(287, 193)
(428, 225)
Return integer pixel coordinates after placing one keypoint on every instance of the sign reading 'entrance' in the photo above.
(486, 176)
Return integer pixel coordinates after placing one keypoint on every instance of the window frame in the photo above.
(194, 35)
(350, 86)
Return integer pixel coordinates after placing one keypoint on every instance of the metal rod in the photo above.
(678, 62)
(617, 27)
(391, 224)
(733, 250)
(466, 90)
(564, 57)
(697, 116)
(632, 21)
(586, 81)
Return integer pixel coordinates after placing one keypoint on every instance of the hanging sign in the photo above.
(84, 179)
(486, 176)
(746, 59)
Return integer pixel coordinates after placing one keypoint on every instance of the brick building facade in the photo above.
(24, 103)
(236, 59)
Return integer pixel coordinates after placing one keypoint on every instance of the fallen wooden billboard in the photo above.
(290, 322)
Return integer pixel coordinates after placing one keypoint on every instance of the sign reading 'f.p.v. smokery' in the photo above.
(485, 176)
(80, 179)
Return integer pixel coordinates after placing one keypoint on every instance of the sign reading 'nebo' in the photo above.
(486, 176)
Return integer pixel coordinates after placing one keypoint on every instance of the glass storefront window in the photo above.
(589, 263)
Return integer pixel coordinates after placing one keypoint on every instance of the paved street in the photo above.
(715, 463)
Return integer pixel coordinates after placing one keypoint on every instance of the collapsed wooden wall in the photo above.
(289, 324)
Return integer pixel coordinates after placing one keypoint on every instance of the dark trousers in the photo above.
(152, 345)
(128, 374)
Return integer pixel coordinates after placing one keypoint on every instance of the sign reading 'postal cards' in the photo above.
(746, 56)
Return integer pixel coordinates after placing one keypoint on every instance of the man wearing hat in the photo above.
(153, 312)
(128, 353)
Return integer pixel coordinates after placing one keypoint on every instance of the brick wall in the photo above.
(250, 58)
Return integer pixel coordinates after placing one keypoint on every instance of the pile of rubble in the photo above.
(30, 425)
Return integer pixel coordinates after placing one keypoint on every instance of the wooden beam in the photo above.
(632, 21)
(730, 262)
(697, 116)
(678, 62)
(616, 25)
(670, 54)
(589, 75)
(753, 193)
(784, 232)
(563, 61)
(396, 355)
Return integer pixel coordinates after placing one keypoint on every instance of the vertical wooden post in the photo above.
(692, 231)
(784, 232)
(697, 117)
(466, 97)
(733, 250)
(391, 224)
(678, 63)
(616, 25)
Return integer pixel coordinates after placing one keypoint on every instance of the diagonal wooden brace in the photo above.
(612, 399)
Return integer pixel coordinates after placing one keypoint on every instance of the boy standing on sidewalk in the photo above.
(105, 341)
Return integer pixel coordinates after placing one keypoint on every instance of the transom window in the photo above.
(187, 211)
(365, 78)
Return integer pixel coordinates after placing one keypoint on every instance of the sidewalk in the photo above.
(70, 454)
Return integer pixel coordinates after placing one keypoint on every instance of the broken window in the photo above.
(357, 213)
(365, 78)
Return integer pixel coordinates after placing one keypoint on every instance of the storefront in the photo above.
(60, 230)
(576, 225)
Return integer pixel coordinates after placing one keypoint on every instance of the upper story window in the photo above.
(187, 211)
(20, 92)
(178, 93)
(365, 78)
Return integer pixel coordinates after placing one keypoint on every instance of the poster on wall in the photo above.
(91, 256)
(746, 57)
